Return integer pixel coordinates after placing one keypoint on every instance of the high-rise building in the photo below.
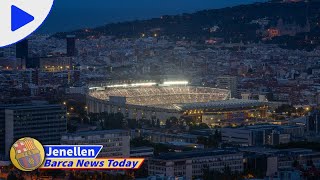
(32, 76)
(76, 76)
(313, 122)
(116, 143)
(2, 132)
(22, 49)
(228, 82)
(44, 122)
(71, 45)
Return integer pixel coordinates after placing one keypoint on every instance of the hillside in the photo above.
(246, 23)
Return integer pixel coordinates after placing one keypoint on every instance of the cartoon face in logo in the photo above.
(27, 154)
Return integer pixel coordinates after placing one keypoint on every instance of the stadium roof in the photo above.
(94, 133)
(195, 154)
(226, 104)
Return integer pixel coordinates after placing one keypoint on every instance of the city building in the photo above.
(230, 83)
(116, 143)
(22, 49)
(191, 164)
(289, 174)
(71, 45)
(143, 152)
(55, 64)
(28, 76)
(182, 146)
(272, 161)
(44, 122)
(8, 52)
(313, 122)
(76, 90)
(276, 138)
(259, 135)
(8, 64)
(164, 137)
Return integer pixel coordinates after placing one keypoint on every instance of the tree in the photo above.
(142, 172)
(132, 123)
(112, 121)
(12, 176)
(211, 141)
(300, 111)
(119, 120)
(158, 123)
(285, 108)
(153, 123)
(173, 121)
(217, 135)
(310, 163)
(250, 71)
(199, 127)
(139, 142)
(295, 164)
(188, 120)
(71, 127)
(93, 117)
(202, 140)
(226, 174)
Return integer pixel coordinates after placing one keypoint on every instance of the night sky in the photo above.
(72, 14)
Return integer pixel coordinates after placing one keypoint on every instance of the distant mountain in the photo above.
(296, 21)
(78, 14)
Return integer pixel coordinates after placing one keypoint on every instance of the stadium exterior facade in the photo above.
(162, 101)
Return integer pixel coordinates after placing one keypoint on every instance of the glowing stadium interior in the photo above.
(163, 97)
(160, 101)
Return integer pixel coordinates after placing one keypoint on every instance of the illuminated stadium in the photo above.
(156, 101)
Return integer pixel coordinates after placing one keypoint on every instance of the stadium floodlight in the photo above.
(168, 83)
(131, 85)
(143, 84)
(96, 88)
(91, 88)
(118, 85)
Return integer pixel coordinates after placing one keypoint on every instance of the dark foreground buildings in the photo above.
(44, 122)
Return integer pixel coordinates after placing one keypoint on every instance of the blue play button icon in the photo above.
(19, 18)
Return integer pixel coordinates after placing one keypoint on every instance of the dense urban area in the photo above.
(231, 93)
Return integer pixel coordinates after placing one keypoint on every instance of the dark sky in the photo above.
(72, 14)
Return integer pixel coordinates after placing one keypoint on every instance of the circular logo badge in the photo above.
(27, 154)
(21, 18)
